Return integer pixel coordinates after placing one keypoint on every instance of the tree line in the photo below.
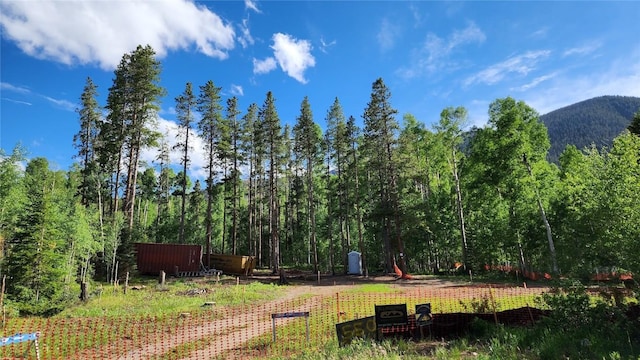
(398, 192)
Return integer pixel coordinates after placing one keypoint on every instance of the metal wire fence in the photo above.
(246, 331)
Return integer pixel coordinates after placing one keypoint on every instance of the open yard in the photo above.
(202, 318)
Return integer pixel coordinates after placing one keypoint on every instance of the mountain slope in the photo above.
(594, 121)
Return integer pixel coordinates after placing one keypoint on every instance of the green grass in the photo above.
(156, 300)
(135, 317)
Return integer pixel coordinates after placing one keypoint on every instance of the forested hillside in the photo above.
(595, 121)
(306, 195)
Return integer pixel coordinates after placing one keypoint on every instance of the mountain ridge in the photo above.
(593, 121)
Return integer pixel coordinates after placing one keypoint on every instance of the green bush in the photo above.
(585, 327)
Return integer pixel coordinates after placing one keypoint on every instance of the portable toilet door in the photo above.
(355, 263)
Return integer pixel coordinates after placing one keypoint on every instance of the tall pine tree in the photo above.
(211, 114)
(307, 145)
(185, 107)
(380, 136)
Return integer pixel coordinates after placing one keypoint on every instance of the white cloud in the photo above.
(14, 88)
(620, 77)
(417, 15)
(470, 34)
(171, 110)
(387, 35)
(17, 101)
(540, 33)
(325, 45)
(264, 66)
(237, 90)
(582, 50)
(535, 82)
(293, 55)
(245, 39)
(83, 32)
(520, 64)
(61, 103)
(435, 53)
(251, 5)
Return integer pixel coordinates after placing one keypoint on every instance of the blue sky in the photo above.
(431, 55)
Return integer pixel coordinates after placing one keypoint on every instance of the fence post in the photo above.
(84, 292)
(126, 283)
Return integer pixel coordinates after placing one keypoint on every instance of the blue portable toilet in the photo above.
(355, 263)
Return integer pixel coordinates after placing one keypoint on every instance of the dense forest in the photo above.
(595, 121)
(398, 192)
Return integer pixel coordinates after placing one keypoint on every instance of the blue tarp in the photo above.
(18, 338)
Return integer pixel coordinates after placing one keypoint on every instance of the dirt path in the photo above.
(231, 332)
(223, 343)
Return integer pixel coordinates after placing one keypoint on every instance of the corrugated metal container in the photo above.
(153, 258)
(233, 264)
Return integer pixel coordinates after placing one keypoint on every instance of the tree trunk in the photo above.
(552, 248)
(359, 212)
(312, 214)
(463, 233)
(251, 210)
(208, 219)
(273, 212)
(184, 188)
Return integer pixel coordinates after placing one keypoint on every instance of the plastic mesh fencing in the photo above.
(251, 331)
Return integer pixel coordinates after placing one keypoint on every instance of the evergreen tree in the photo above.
(337, 148)
(194, 224)
(307, 144)
(36, 256)
(232, 177)
(270, 123)
(185, 106)
(112, 133)
(290, 245)
(132, 104)
(85, 141)
(634, 127)
(380, 136)
(259, 142)
(11, 193)
(352, 135)
(143, 75)
(211, 112)
(247, 150)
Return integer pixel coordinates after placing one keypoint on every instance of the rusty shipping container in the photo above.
(153, 258)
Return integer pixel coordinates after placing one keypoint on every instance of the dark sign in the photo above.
(391, 315)
(360, 328)
(290, 315)
(423, 314)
